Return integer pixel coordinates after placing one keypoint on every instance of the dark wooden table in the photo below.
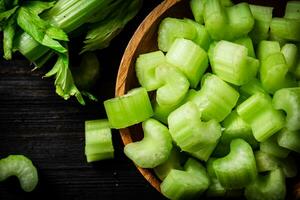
(37, 123)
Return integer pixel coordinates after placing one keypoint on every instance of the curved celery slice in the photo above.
(246, 42)
(145, 69)
(174, 85)
(258, 112)
(292, 10)
(288, 99)
(215, 188)
(189, 58)
(130, 109)
(267, 48)
(252, 87)
(187, 184)
(290, 52)
(154, 149)
(271, 147)
(270, 186)
(21, 167)
(288, 29)
(98, 140)
(172, 28)
(289, 139)
(238, 168)
(215, 99)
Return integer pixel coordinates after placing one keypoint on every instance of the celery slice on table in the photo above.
(21, 167)
(154, 149)
(215, 99)
(270, 186)
(130, 109)
(271, 147)
(232, 63)
(188, 184)
(292, 10)
(252, 87)
(288, 29)
(258, 112)
(246, 42)
(174, 85)
(288, 99)
(289, 139)
(238, 168)
(290, 52)
(98, 140)
(145, 69)
(170, 29)
(215, 188)
(189, 58)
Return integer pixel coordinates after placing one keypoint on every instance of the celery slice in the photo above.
(289, 166)
(98, 140)
(288, 99)
(188, 184)
(215, 99)
(246, 42)
(289, 139)
(290, 52)
(265, 162)
(188, 57)
(267, 48)
(130, 109)
(174, 85)
(252, 87)
(288, 29)
(270, 186)
(197, 7)
(215, 188)
(8, 37)
(172, 28)
(22, 167)
(271, 147)
(145, 69)
(238, 168)
(292, 10)
(204, 153)
(154, 149)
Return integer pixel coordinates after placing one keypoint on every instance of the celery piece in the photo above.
(258, 112)
(197, 7)
(98, 140)
(232, 64)
(204, 153)
(174, 161)
(252, 87)
(188, 57)
(154, 149)
(174, 85)
(192, 135)
(130, 109)
(215, 188)
(215, 99)
(187, 184)
(290, 52)
(288, 99)
(238, 168)
(8, 38)
(265, 162)
(267, 48)
(172, 28)
(270, 186)
(288, 29)
(263, 17)
(246, 42)
(271, 147)
(21, 167)
(289, 139)
(202, 37)
(292, 10)
(145, 69)
(289, 166)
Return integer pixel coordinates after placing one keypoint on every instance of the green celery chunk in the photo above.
(288, 99)
(271, 147)
(215, 188)
(292, 10)
(189, 58)
(290, 52)
(154, 149)
(238, 168)
(192, 135)
(267, 48)
(187, 184)
(174, 85)
(145, 69)
(246, 42)
(265, 162)
(170, 29)
(232, 63)
(8, 38)
(288, 29)
(258, 112)
(270, 186)
(289, 139)
(130, 109)
(98, 140)
(21, 167)
(197, 7)
(215, 99)
(252, 87)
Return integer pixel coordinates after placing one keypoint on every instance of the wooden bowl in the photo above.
(145, 40)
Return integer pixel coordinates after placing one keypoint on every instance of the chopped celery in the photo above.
(188, 57)
(265, 162)
(290, 52)
(154, 149)
(216, 98)
(145, 69)
(246, 42)
(204, 153)
(258, 112)
(252, 87)
(267, 48)
(271, 147)
(215, 188)
(289, 139)
(130, 109)
(98, 140)
(238, 168)
(21, 167)
(172, 28)
(288, 29)
(289, 166)
(187, 184)
(288, 99)
(270, 186)
(292, 10)
(197, 7)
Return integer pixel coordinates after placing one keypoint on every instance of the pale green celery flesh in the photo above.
(292, 10)
(267, 48)
(290, 52)
(288, 29)
(246, 42)
(252, 87)
(215, 188)
(271, 147)
(197, 7)
(289, 140)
